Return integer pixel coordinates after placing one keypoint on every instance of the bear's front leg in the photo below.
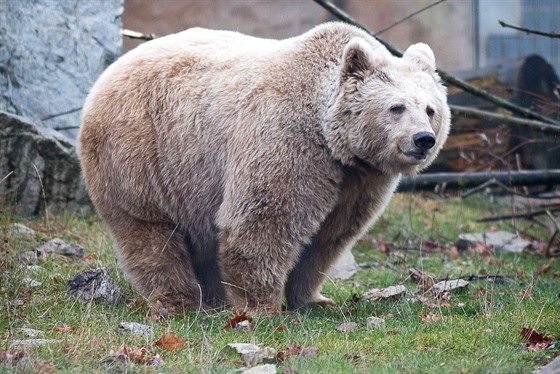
(254, 268)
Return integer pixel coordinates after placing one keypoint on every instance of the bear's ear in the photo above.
(422, 55)
(357, 59)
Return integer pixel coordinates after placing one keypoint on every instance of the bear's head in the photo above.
(389, 112)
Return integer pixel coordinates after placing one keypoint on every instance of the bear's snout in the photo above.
(424, 140)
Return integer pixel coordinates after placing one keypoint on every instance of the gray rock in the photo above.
(60, 247)
(551, 368)
(499, 240)
(345, 267)
(95, 284)
(30, 282)
(32, 342)
(30, 332)
(449, 285)
(252, 354)
(40, 167)
(51, 53)
(385, 293)
(137, 329)
(20, 229)
(261, 369)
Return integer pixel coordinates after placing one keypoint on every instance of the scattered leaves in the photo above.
(64, 328)
(234, 321)
(429, 318)
(543, 269)
(281, 328)
(534, 340)
(138, 355)
(170, 342)
(295, 350)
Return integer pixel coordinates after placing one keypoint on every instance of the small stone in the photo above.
(34, 268)
(243, 326)
(95, 284)
(499, 240)
(18, 228)
(137, 329)
(347, 326)
(29, 282)
(60, 247)
(33, 342)
(30, 332)
(374, 323)
(29, 257)
(551, 368)
(345, 267)
(449, 285)
(261, 369)
(385, 293)
(252, 354)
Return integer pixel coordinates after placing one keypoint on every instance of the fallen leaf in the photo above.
(424, 280)
(64, 328)
(44, 367)
(453, 253)
(483, 249)
(234, 321)
(429, 318)
(347, 326)
(11, 358)
(295, 350)
(171, 342)
(535, 341)
(281, 328)
(138, 355)
(543, 269)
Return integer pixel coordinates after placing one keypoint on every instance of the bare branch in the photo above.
(529, 215)
(530, 31)
(498, 117)
(495, 182)
(409, 17)
(137, 35)
(333, 9)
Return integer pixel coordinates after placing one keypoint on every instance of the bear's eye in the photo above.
(430, 112)
(398, 109)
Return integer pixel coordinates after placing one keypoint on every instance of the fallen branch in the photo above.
(469, 180)
(409, 17)
(494, 182)
(496, 100)
(546, 128)
(529, 31)
(528, 215)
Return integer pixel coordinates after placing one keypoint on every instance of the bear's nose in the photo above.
(424, 140)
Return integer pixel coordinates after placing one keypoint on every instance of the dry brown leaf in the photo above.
(64, 328)
(543, 269)
(90, 258)
(483, 249)
(171, 342)
(234, 321)
(347, 326)
(281, 328)
(424, 280)
(429, 318)
(535, 341)
(454, 253)
(295, 350)
(11, 358)
(138, 355)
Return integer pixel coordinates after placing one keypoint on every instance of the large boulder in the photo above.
(39, 169)
(51, 53)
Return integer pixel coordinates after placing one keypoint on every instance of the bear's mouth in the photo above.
(417, 155)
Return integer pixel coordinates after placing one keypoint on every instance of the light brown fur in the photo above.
(239, 168)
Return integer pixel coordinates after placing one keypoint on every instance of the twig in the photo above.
(495, 182)
(408, 17)
(530, 31)
(333, 9)
(6, 177)
(528, 215)
(551, 240)
(51, 116)
(137, 35)
(498, 117)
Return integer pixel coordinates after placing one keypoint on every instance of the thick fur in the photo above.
(237, 169)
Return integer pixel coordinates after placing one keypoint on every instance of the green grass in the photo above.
(477, 332)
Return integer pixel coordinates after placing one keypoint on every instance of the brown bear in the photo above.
(232, 169)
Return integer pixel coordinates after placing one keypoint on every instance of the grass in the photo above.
(476, 331)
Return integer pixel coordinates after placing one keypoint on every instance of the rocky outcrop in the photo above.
(39, 169)
(51, 53)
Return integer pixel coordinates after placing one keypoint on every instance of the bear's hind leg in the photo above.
(157, 260)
